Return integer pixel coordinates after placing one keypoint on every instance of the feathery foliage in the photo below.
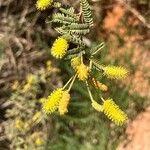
(86, 9)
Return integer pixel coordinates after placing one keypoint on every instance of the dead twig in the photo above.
(135, 13)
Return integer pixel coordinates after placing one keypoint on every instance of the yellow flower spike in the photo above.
(113, 112)
(99, 85)
(63, 104)
(43, 4)
(97, 106)
(59, 47)
(52, 102)
(82, 72)
(115, 72)
(75, 62)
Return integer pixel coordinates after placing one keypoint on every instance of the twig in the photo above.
(136, 13)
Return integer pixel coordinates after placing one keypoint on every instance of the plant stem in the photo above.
(67, 82)
(90, 94)
(102, 99)
(72, 82)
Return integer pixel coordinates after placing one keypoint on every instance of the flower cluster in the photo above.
(115, 72)
(83, 61)
(59, 99)
(111, 110)
(63, 104)
(52, 102)
(82, 71)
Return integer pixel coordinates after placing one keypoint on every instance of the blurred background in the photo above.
(28, 73)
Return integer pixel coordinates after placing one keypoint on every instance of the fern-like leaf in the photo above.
(78, 26)
(57, 5)
(69, 12)
(97, 65)
(61, 31)
(79, 32)
(87, 14)
(70, 56)
(61, 18)
(75, 50)
(74, 39)
(75, 28)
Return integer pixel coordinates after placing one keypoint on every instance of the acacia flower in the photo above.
(82, 71)
(76, 61)
(59, 47)
(113, 112)
(115, 72)
(43, 4)
(52, 102)
(63, 104)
